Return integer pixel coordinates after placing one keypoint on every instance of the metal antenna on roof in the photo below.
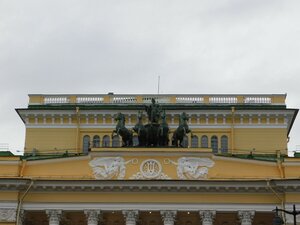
(158, 82)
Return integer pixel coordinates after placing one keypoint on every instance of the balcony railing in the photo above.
(277, 99)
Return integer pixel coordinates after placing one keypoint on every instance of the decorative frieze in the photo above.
(108, 167)
(7, 215)
(192, 168)
(168, 217)
(246, 217)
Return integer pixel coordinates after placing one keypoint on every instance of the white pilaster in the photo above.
(104, 118)
(7, 215)
(130, 216)
(92, 216)
(54, 216)
(289, 219)
(246, 217)
(168, 217)
(95, 119)
(21, 217)
(129, 119)
(207, 217)
(172, 118)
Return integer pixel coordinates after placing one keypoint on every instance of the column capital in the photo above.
(54, 216)
(92, 216)
(130, 216)
(246, 216)
(22, 216)
(8, 215)
(168, 216)
(207, 216)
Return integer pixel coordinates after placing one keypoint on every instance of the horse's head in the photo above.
(140, 116)
(120, 117)
(163, 115)
(183, 118)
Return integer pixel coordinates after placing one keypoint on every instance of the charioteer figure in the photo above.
(153, 111)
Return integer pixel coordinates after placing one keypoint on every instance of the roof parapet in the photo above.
(264, 99)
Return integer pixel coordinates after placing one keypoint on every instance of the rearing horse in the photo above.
(181, 130)
(122, 130)
(140, 129)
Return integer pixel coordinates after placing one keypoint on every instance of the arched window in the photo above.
(185, 142)
(96, 141)
(214, 144)
(204, 141)
(135, 140)
(116, 141)
(86, 144)
(106, 141)
(224, 144)
(195, 141)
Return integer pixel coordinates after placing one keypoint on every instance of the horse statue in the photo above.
(140, 129)
(181, 130)
(164, 131)
(122, 130)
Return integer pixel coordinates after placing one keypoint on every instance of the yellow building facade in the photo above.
(232, 167)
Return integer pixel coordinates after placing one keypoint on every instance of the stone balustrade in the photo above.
(268, 99)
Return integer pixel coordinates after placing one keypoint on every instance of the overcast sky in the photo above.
(122, 46)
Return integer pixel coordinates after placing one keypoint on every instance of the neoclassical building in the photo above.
(230, 168)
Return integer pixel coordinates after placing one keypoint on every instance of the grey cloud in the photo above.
(228, 46)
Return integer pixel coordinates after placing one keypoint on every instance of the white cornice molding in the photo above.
(8, 204)
(194, 126)
(148, 206)
(157, 186)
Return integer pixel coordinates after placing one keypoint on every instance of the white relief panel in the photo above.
(192, 168)
(109, 167)
(150, 169)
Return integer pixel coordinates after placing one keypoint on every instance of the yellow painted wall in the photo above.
(292, 171)
(263, 140)
(292, 197)
(8, 196)
(243, 169)
(153, 197)
(8, 169)
(50, 140)
(60, 169)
